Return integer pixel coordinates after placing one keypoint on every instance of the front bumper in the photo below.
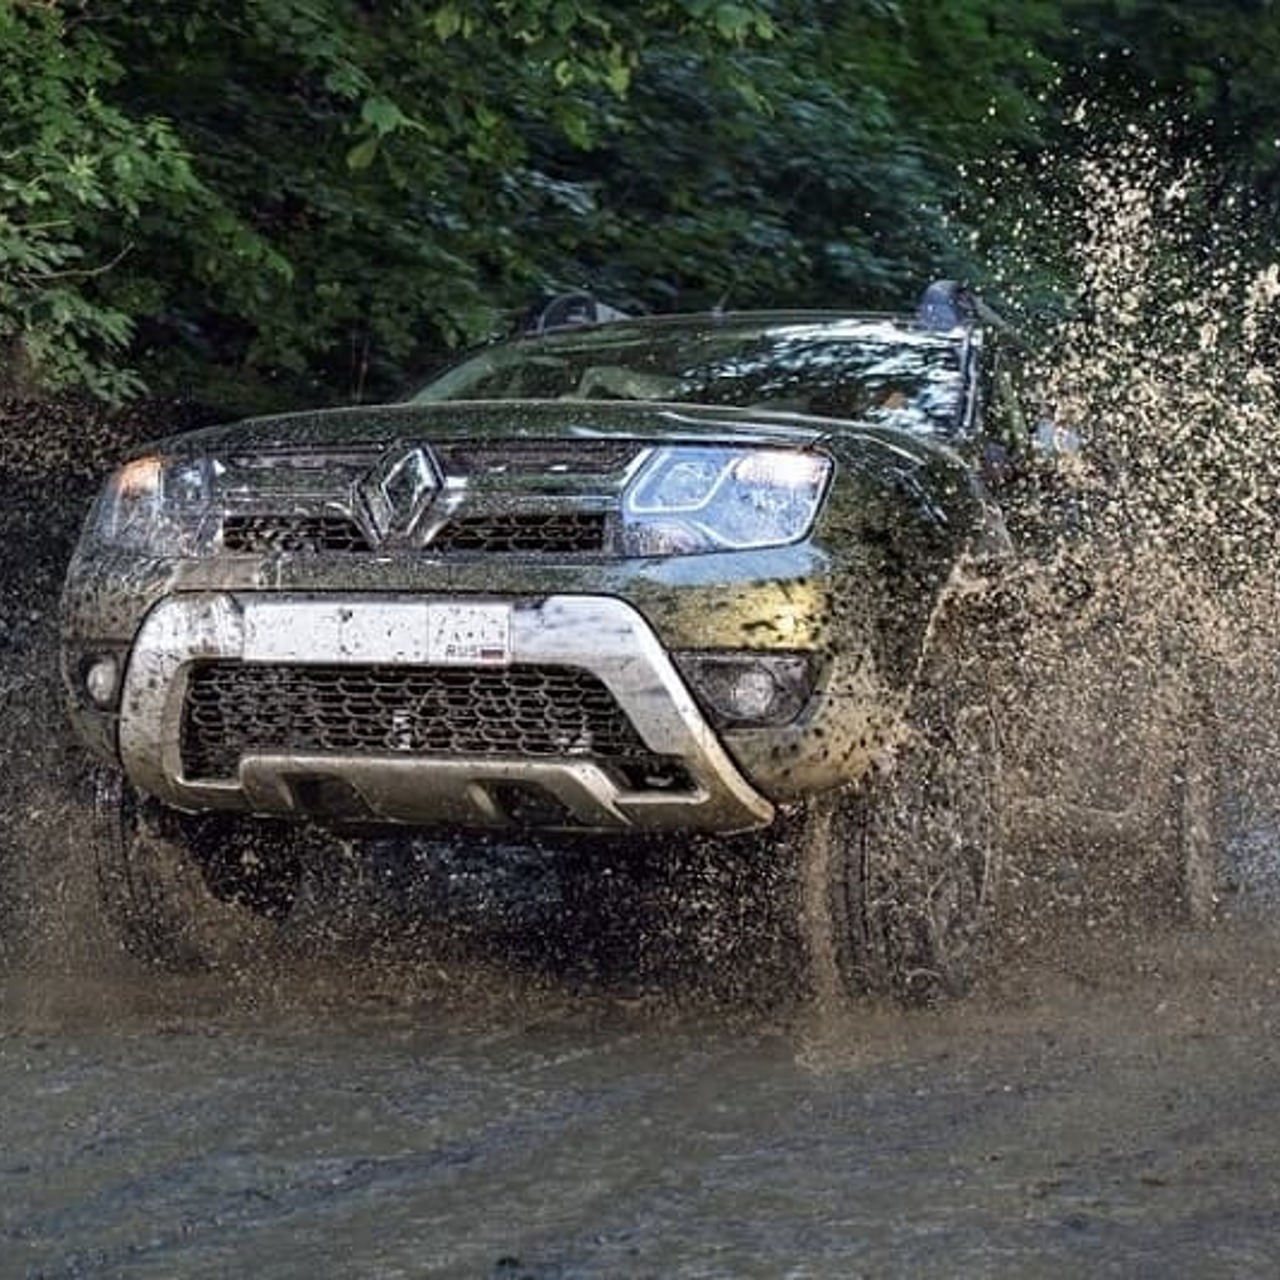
(602, 636)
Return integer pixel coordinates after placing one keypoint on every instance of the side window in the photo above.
(998, 424)
(1006, 420)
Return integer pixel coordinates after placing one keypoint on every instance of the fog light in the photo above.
(102, 681)
(749, 689)
(750, 693)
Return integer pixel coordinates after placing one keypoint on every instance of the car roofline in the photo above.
(678, 319)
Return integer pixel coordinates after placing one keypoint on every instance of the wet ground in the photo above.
(1111, 1112)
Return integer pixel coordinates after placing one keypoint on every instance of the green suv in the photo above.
(699, 576)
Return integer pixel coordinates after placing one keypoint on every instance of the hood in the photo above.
(496, 420)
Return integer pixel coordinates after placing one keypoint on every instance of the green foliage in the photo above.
(817, 168)
(76, 175)
(365, 163)
(274, 200)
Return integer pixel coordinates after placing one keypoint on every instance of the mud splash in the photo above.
(1159, 408)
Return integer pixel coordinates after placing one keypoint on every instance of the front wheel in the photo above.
(900, 873)
(187, 892)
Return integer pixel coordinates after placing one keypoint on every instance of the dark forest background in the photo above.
(260, 203)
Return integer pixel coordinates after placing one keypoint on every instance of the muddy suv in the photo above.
(697, 576)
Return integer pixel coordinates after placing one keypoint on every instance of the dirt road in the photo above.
(1104, 1109)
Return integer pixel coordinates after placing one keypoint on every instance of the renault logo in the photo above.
(398, 490)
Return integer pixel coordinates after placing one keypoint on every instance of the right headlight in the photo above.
(687, 499)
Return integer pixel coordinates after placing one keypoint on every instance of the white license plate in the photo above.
(403, 632)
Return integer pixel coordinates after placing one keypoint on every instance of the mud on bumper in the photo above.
(336, 707)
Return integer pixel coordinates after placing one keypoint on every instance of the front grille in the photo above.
(536, 533)
(524, 711)
(526, 533)
(514, 497)
(260, 534)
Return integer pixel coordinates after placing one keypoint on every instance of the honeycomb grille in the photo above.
(308, 533)
(522, 532)
(554, 531)
(525, 711)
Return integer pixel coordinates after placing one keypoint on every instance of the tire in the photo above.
(900, 873)
(184, 893)
(1112, 740)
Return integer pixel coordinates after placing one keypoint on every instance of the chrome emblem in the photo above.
(398, 490)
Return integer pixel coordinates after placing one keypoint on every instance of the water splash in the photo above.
(1155, 586)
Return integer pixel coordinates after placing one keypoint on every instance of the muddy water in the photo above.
(511, 1077)
(1108, 1113)
(545, 1070)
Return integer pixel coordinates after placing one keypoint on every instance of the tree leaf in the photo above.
(363, 154)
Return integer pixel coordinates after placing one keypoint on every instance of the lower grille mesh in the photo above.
(524, 711)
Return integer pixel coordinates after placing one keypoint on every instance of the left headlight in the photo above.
(159, 506)
(687, 499)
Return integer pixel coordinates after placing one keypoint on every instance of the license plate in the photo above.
(469, 634)
(403, 632)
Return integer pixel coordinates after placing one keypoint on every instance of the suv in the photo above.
(699, 575)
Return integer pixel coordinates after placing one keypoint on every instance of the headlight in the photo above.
(688, 499)
(161, 506)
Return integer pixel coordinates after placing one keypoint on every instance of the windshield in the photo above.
(870, 371)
